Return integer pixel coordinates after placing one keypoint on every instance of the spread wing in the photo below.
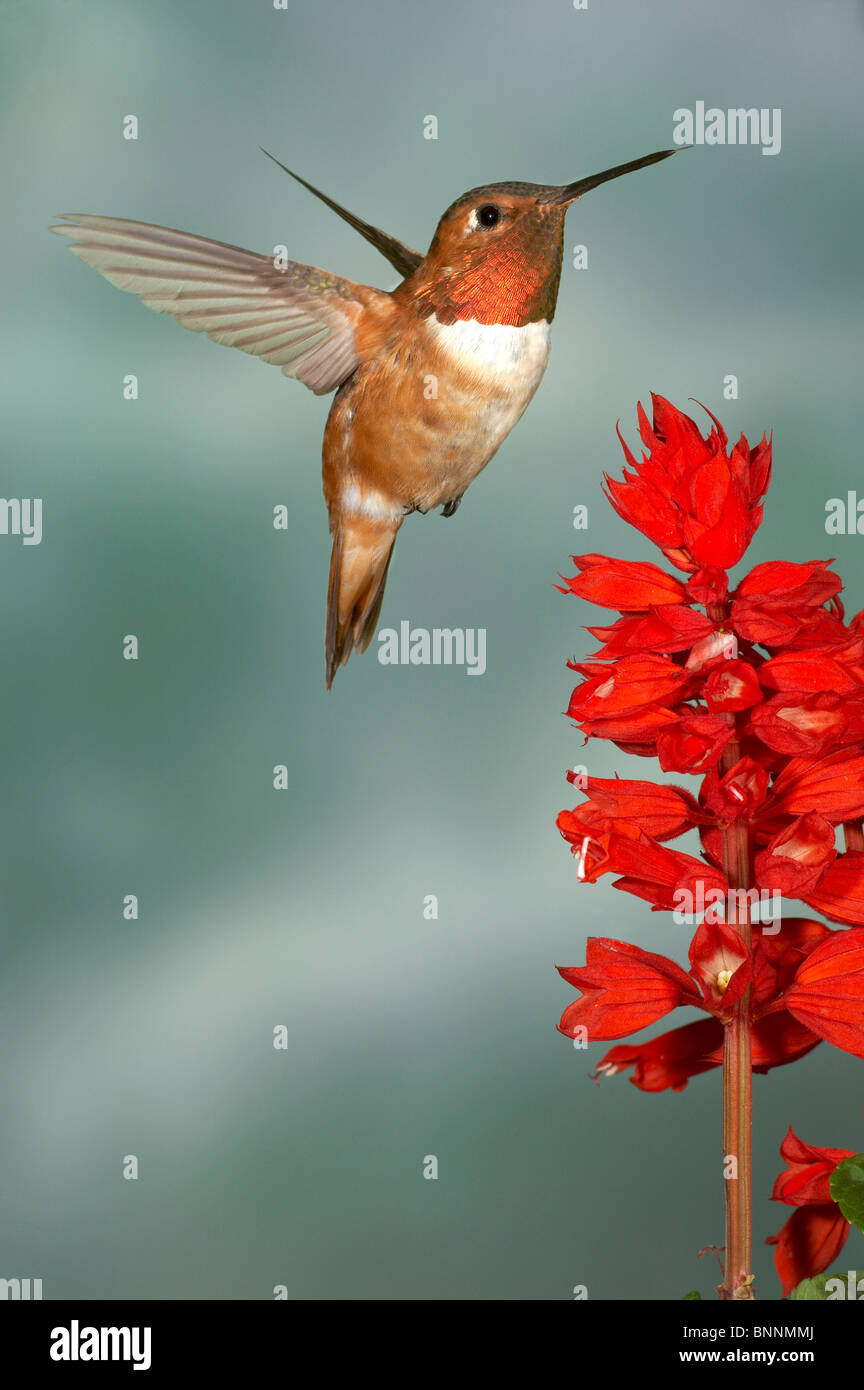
(300, 318)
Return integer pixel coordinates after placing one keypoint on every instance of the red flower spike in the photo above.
(760, 692)
(623, 989)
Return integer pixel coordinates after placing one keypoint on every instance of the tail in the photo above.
(362, 547)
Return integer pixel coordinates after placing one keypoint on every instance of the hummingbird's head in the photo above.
(497, 251)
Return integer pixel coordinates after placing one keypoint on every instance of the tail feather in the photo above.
(360, 559)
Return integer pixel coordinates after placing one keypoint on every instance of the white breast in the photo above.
(515, 357)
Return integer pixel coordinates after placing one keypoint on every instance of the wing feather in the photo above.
(299, 318)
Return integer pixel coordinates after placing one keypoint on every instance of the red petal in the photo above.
(732, 687)
(811, 1239)
(839, 894)
(669, 1060)
(623, 989)
(827, 994)
(798, 857)
(627, 585)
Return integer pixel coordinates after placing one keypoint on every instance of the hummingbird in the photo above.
(430, 377)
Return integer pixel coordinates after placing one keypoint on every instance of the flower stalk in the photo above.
(738, 1072)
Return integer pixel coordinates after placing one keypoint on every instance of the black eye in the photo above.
(488, 215)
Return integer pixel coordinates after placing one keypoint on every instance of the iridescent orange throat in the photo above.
(513, 280)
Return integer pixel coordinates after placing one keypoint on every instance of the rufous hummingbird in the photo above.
(430, 378)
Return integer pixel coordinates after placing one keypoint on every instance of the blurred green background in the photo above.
(407, 1037)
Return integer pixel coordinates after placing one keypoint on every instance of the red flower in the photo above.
(811, 672)
(816, 1233)
(807, 1180)
(733, 687)
(627, 585)
(777, 958)
(662, 812)
(708, 586)
(840, 892)
(698, 504)
(778, 600)
(673, 628)
(809, 1242)
(720, 962)
(739, 793)
(797, 857)
(623, 989)
(834, 784)
(801, 723)
(693, 743)
(668, 1061)
(778, 1039)
(827, 992)
(631, 684)
(649, 870)
(717, 956)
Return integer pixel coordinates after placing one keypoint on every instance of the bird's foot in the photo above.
(451, 506)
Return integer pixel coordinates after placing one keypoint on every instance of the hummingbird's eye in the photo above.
(488, 215)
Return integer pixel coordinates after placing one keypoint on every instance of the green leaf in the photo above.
(847, 1189)
(694, 1293)
(815, 1291)
(811, 1290)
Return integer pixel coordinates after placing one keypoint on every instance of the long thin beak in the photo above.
(571, 191)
